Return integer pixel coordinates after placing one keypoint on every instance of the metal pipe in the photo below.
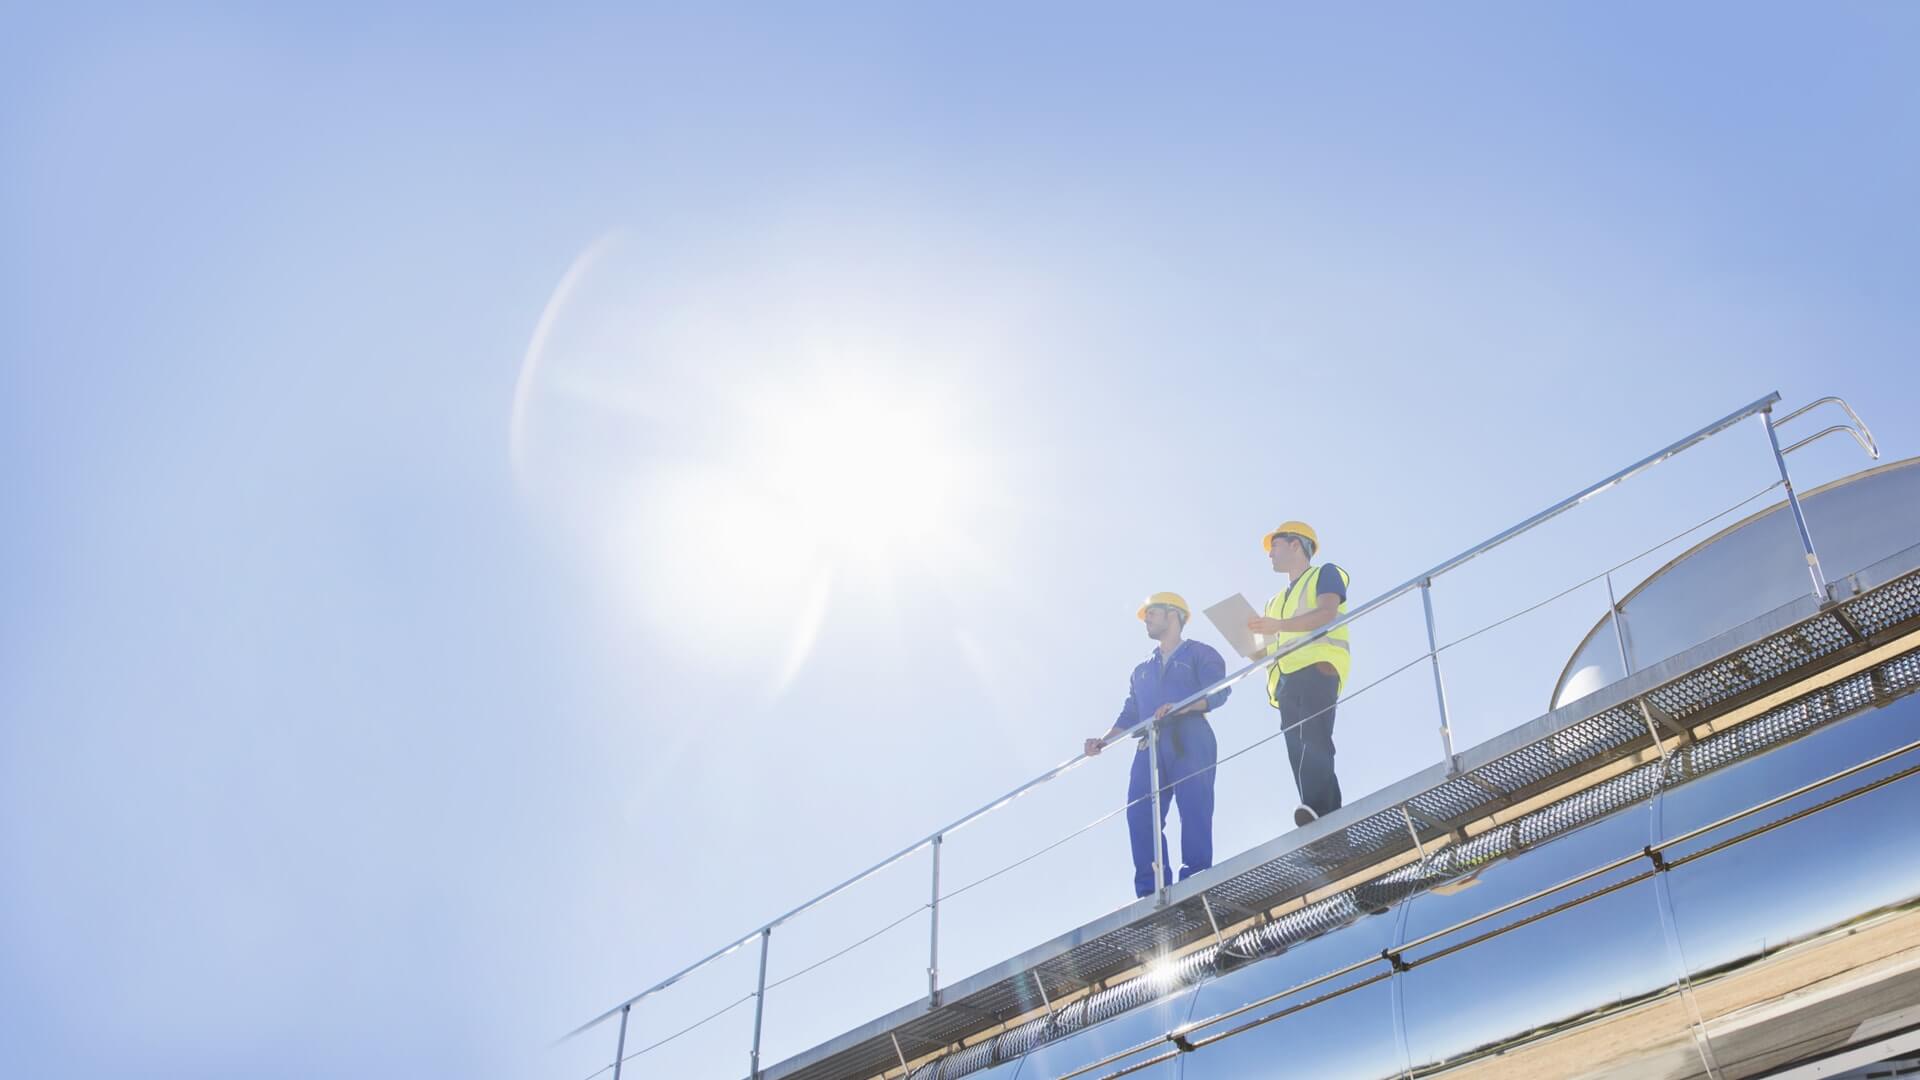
(620, 1048)
(933, 944)
(1439, 684)
(1159, 823)
(760, 1001)
(1799, 516)
(1754, 408)
(1619, 632)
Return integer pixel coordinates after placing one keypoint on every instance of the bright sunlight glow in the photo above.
(865, 473)
(738, 475)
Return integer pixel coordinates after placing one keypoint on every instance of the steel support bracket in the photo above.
(1846, 621)
(1482, 785)
(1665, 721)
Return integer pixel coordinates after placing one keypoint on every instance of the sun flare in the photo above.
(738, 481)
(865, 473)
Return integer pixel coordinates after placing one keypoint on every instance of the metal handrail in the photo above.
(1865, 441)
(1421, 581)
(1858, 429)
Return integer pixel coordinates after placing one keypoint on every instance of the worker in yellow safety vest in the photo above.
(1304, 684)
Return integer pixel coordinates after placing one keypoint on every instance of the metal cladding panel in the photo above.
(1348, 1034)
(1798, 942)
(1112, 1036)
(1821, 910)
(1604, 957)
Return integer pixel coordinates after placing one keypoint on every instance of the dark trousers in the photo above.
(1187, 756)
(1306, 711)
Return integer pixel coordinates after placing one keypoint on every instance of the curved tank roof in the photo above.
(1748, 569)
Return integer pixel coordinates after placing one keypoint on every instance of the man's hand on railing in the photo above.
(1094, 746)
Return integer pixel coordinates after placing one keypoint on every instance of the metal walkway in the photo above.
(1318, 877)
(1288, 877)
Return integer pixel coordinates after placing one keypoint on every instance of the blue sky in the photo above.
(341, 739)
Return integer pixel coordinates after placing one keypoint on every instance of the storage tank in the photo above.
(1741, 900)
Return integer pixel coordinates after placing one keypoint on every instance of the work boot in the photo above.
(1304, 815)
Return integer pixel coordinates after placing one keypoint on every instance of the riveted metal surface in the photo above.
(1576, 746)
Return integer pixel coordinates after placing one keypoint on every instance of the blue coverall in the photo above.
(1187, 756)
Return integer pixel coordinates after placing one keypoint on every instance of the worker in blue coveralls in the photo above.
(1176, 670)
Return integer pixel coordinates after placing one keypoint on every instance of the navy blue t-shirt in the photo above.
(1332, 580)
(1331, 583)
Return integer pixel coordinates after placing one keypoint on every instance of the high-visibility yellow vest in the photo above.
(1299, 598)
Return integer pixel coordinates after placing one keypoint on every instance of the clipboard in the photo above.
(1230, 617)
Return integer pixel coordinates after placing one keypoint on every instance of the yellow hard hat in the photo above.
(1297, 528)
(1164, 599)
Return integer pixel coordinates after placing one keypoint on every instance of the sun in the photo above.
(740, 466)
(875, 474)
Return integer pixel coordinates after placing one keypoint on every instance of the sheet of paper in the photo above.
(1230, 617)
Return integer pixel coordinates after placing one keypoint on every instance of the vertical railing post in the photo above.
(1159, 841)
(760, 1000)
(933, 942)
(1619, 631)
(1433, 654)
(1439, 684)
(1793, 502)
(620, 1048)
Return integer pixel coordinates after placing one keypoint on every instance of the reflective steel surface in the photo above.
(1802, 935)
(1749, 568)
(1600, 961)
(1348, 1035)
(1799, 941)
(1116, 1034)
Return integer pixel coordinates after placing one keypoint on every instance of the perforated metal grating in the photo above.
(1573, 749)
(1900, 674)
(1886, 607)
